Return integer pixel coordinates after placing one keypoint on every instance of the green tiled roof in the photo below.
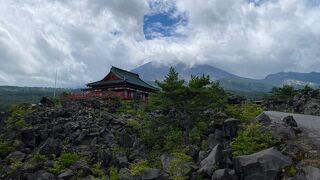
(125, 76)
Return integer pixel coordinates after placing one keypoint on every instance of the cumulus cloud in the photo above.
(81, 39)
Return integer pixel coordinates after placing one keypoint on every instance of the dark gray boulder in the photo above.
(46, 102)
(51, 146)
(28, 137)
(82, 168)
(67, 174)
(166, 160)
(215, 138)
(16, 156)
(311, 173)
(41, 175)
(289, 120)
(224, 174)
(122, 159)
(263, 165)
(212, 162)
(236, 99)
(231, 127)
(312, 107)
(263, 119)
(125, 174)
(126, 140)
(152, 174)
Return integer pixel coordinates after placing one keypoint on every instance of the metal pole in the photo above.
(55, 84)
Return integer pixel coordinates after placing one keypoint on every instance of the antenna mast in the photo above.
(55, 83)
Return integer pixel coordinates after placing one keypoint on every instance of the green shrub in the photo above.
(281, 94)
(137, 168)
(113, 173)
(21, 123)
(64, 161)
(291, 171)
(39, 157)
(97, 170)
(16, 165)
(134, 124)
(180, 166)
(126, 107)
(17, 114)
(245, 112)
(197, 131)
(5, 147)
(173, 140)
(251, 139)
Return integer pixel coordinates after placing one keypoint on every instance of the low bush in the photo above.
(180, 166)
(139, 167)
(113, 173)
(5, 147)
(290, 171)
(245, 112)
(251, 139)
(39, 157)
(17, 114)
(97, 170)
(64, 161)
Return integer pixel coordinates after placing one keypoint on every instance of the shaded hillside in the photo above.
(10, 95)
(294, 79)
(152, 71)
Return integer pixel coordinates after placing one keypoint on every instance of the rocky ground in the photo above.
(83, 140)
(303, 102)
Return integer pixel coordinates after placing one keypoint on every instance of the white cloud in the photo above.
(83, 38)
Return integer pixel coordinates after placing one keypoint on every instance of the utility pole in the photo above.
(55, 84)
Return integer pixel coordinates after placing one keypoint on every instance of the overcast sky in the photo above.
(83, 38)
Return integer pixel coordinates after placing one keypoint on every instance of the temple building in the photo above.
(123, 84)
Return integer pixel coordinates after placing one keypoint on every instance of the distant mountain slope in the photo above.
(10, 95)
(152, 71)
(245, 85)
(294, 79)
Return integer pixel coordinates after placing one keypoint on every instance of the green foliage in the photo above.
(307, 89)
(180, 166)
(5, 147)
(197, 131)
(197, 82)
(185, 104)
(126, 107)
(16, 165)
(17, 114)
(21, 123)
(97, 170)
(171, 82)
(171, 138)
(291, 171)
(64, 161)
(138, 167)
(251, 139)
(113, 173)
(281, 94)
(11, 95)
(245, 112)
(39, 158)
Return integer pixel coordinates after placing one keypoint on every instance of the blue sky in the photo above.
(162, 23)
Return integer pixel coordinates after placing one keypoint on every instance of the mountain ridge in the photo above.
(152, 71)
